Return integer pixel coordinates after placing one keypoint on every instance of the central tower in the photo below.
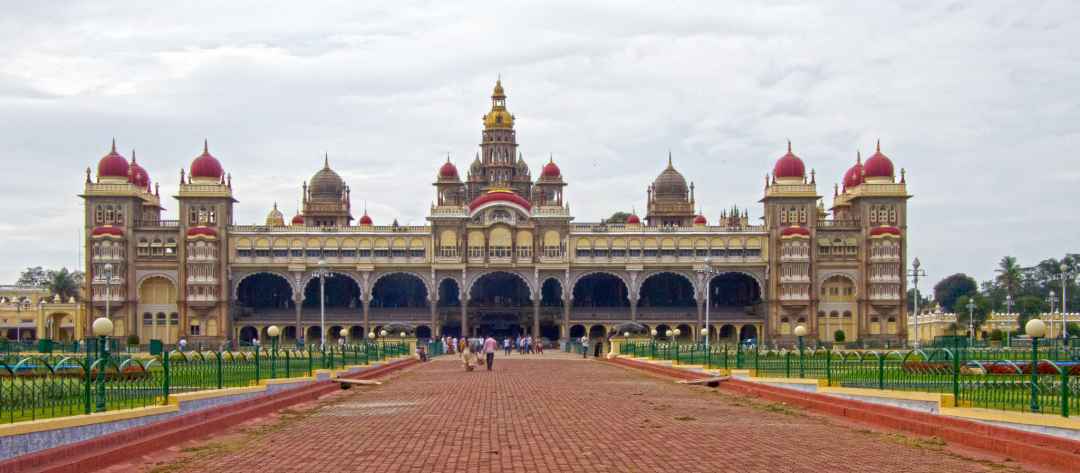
(499, 165)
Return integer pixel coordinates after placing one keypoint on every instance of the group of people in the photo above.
(525, 345)
(481, 350)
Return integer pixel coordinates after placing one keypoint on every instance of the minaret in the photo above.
(501, 164)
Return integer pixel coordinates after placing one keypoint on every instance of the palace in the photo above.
(500, 253)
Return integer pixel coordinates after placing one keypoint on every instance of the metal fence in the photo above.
(997, 378)
(46, 386)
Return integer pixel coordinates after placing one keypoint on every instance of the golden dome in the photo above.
(275, 218)
(498, 117)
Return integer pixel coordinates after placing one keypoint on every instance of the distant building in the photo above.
(28, 313)
(500, 254)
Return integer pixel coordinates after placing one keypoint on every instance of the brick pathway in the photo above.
(551, 415)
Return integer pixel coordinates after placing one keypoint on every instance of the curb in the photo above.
(100, 452)
(1044, 450)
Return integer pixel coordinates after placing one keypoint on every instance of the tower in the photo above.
(327, 200)
(499, 165)
(206, 209)
(791, 219)
(670, 200)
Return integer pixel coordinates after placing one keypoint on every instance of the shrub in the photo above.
(133, 339)
(839, 336)
(997, 335)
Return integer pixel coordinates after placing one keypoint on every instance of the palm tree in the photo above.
(1009, 274)
(63, 283)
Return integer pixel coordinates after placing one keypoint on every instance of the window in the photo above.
(313, 253)
(348, 253)
(148, 319)
(583, 253)
(195, 329)
(667, 253)
(365, 253)
(416, 253)
(244, 253)
(281, 253)
(296, 253)
(718, 252)
(398, 253)
(262, 253)
(382, 253)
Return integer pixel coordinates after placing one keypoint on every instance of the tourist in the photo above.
(540, 347)
(489, 351)
(183, 344)
(584, 346)
(506, 346)
(466, 357)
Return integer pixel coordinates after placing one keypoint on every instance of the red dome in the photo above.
(633, 219)
(878, 165)
(112, 164)
(206, 166)
(365, 219)
(138, 175)
(298, 219)
(884, 230)
(854, 175)
(500, 196)
(551, 170)
(201, 231)
(700, 220)
(795, 231)
(789, 166)
(107, 230)
(448, 170)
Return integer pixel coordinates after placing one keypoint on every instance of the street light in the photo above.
(1052, 299)
(1035, 329)
(321, 272)
(971, 322)
(915, 273)
(800, 331)
(101, 328)
(344, 335)
(273, 331)
(1008, 310)
(1065, 274)
(708, 272)
(652, 343)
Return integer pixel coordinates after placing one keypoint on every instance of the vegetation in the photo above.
(618, 217)
(839, 336)
(59, 282)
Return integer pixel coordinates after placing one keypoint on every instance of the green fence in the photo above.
(997, 378)
(46, 386)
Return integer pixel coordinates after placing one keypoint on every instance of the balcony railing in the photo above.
(156, 224)
(413, 229)
(623, 228)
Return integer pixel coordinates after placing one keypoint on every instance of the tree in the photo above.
(1009, 274)
(924, 302)
(32, 277)
(618, 217)
(63, 283)
(948, 290)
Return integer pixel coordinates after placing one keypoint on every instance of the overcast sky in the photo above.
(977, 100)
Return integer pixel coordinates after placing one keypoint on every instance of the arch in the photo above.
(342, 290)
(248, 334)
(847, 288)
(471, 283)
(577, 331)
(286, 278)
(600, 289)
(429, 290)
(312, 275)
(423, 331)
(400, 289)
(145, 277)
(727, 331)
(597, 331)
(449, 292)
(734, 289)
(157, 289)
(265, 290)
(520, 296)
(686, 332)
(748, 332)
(551, 292)
(667, 289)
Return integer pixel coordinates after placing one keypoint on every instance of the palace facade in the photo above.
(500, 253)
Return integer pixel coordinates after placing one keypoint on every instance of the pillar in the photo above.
(298, 300)
(434, 320)
(464, 318)
(566, 317)
(366, 303)
(633, 308)
(536, 319)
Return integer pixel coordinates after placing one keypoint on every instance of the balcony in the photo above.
(157, 224)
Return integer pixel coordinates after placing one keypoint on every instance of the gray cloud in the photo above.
(977, 100)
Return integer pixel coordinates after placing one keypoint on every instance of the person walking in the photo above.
(584, 346)
(490, 345)
(506, 346)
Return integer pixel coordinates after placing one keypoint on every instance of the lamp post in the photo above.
(915, 273)
(971, 322)
(652, 343)
(1008, 311)
(1035, 329)
(344, 335)
(382, 336)
(1065, 276)
(108, 270)
(102, 327)
(321, 272)
(708, 272)
(800, 332)
(1052, 299)
(273, 331)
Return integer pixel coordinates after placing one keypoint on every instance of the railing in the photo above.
(46, 386)
(153, 224)
(986, 378)
(335, 229)
(840, 224)
(623, 228)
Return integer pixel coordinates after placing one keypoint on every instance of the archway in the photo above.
(248, 334)
(686, 333)
(500, 301)
(666, 290)
(551, 305)
(342, 292)
(264, 293)
(313, 336)
(733, 290)
(399, 290)
(448, 305)
(600, 290)
(356, 333)
(423, 332)
(727, 332)
(157, 294)
(449, 293)
(748, 333)
(577, 331)
(661, 331)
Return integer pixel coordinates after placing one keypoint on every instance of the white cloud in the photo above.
(977, 100)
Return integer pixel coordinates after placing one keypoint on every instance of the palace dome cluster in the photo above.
(500, 253)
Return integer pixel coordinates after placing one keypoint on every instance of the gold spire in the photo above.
(498, 117)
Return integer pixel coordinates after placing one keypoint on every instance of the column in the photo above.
(700, 312)
(434, 320)
(536, 319)
(299, 302)
(464, 318)
(366, 303)
(566, 317)
(633, 308)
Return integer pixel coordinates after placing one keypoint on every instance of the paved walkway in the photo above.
(553, 414)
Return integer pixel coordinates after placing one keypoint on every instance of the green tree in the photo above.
(63, 283)
(924, 302)
(948, 290)
(618, 217)
(1009, 274)
(32, 277)
(978, 314)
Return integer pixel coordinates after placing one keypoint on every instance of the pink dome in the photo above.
(551, 170)
(113, 164)
(206, 166)
(789, 166)
(633, 219)
(298, 219)
(448, 170)
(500, 196)
(700, 220)
(138, 175)
(854, 175)
(878, 165)
(365, 219)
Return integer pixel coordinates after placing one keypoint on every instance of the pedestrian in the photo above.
(584, 346)
(506, 346)
(183, 344)
(489, 351)
(466, 357)
(540, 347)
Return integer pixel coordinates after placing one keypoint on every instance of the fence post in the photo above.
(881, 372)
(310, 362)
(787, 364)
(1065, 391)
(287, 370)
(956, 379)
(165, 375)
(258, 373)
(220, 370)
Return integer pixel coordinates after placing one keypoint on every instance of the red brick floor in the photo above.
(552, 415)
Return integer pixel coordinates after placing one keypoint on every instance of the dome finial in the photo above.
(132, 155)
(789, 146)
(669, 159)
(551, 157)
(114, 144)
(858, 157)
(878, 149)
(205, 146)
